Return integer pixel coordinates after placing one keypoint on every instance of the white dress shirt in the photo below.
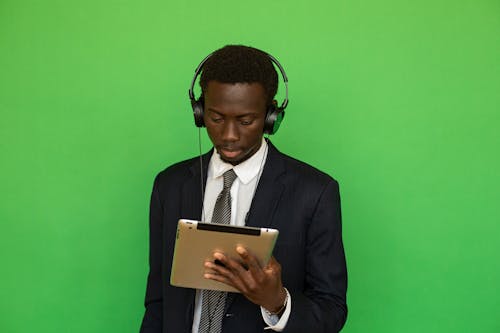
(242, 192)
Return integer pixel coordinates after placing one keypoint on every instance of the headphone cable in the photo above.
(202, 186)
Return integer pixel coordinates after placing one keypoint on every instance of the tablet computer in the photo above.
(196, 242)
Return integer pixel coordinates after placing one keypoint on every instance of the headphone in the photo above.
(274, 114)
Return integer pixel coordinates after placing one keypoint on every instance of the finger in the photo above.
(233, 265)
(230, 270)
(272, 261)
(225, 276)
(250, 260)
(219, 273)
(219, 278)
(210, 271)
(273, 264)
(255, 277)
(215, 268)
(246, 281)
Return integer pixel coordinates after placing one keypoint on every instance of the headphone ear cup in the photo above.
(197, 106)
(274, 116)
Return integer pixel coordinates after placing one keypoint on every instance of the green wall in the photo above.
(398, 100)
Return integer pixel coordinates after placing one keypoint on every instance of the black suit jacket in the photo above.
(293, 197)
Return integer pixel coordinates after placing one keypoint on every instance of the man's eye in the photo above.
(216, 120)
(246, 122)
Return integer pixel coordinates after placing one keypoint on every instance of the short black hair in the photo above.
(241, 64)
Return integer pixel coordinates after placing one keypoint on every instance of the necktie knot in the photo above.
(229, 177)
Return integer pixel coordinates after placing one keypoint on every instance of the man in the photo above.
(303, 288)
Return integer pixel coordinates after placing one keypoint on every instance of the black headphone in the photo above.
(274, 114)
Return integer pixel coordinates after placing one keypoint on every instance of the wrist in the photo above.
(277, 310)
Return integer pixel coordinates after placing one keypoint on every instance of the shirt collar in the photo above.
(246, 170)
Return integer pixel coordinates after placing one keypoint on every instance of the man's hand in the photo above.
(261, 285)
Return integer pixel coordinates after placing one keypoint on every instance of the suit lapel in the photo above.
(269, 191)
(267, 196)
(191, 203)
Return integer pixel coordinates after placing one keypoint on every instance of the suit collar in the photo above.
(191, 202)
(195, 166)
(246, 170)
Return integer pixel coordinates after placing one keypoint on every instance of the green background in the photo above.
(398, 100)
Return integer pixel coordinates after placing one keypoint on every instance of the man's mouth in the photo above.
(229, 152)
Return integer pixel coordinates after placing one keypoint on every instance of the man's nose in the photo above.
(230, 131)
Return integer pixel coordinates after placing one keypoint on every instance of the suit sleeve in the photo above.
(153, 316)
(321, 307)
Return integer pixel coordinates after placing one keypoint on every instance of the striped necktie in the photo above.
(213, 302)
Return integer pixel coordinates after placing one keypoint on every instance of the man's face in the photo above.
(234, 117)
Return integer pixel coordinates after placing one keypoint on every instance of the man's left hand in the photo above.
(261, 285)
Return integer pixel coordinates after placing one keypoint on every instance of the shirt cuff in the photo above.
(275, 322)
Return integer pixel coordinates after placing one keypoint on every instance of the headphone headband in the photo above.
(273, 59)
